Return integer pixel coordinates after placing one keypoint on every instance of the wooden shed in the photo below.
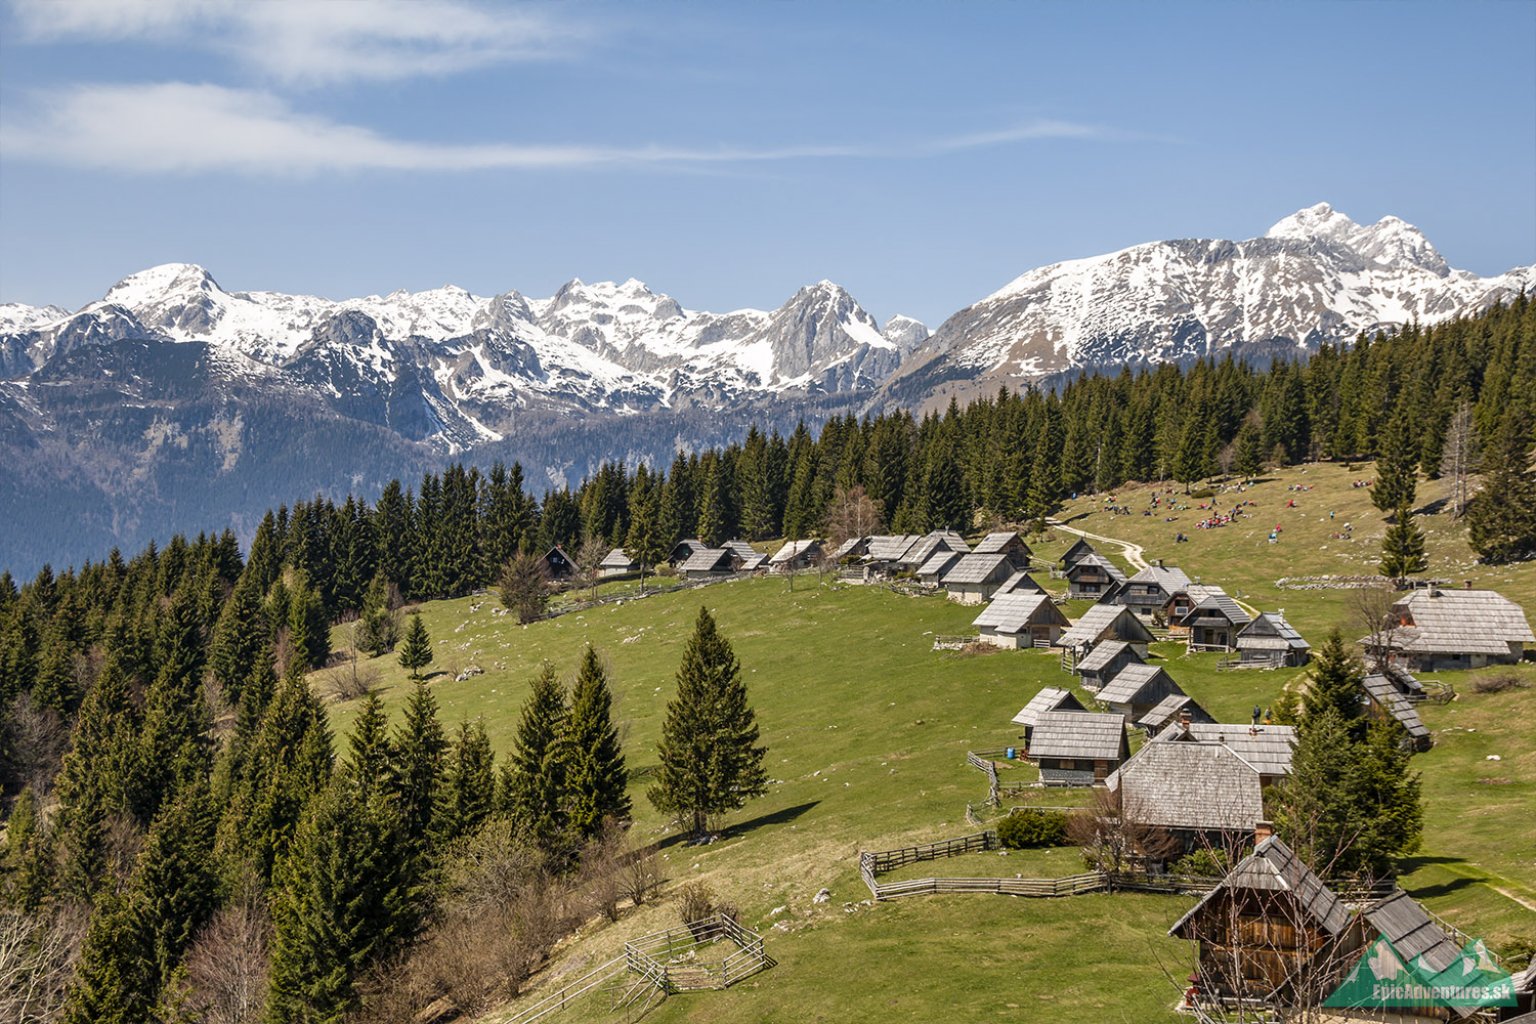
(1094, 577)
(1173, 708)
(707, 562)
(684, 550)
(1106, 659)
(1006, 543)
(1213, 620)
(1267, 747)
(1020, 620)
(617, 563)
(1077, 748)
(1020, 583)
(1437, 629)
(851, 549)
(887, 552)
(1079, 550)
(1148, 592)
(1202, 793)
(1271, 642)
(924, 547)
(1052, 698)
(1137, 689)
(976, 577)
(940, 562)
(1105, 622)
(1385, 702)
(795, 555)
(748, 558)
(559, 564)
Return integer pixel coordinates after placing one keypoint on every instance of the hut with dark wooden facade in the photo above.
(851, 550)
(1105, 622)
(683, 550)
(1106, 659)
(748, 558)
(1137, 689)
(707, 562)
(1079, 550)
(1148, 592)
(1214, 621)
(1052, 698)
(558, 564)
(1437, 629)
(1095, 578)
(1020, 621)
(1005, 543)
(976, 577)
(1077, 748)
(1271, 642)
(932, 571)
(1173, 708)
(795, 555)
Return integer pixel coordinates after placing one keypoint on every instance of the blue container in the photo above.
(1009, 753)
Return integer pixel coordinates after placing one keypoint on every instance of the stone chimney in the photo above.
(1262, 830)
(1185, 720)
(1468, 585)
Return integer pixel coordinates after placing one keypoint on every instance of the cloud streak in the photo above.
(178, 127)
(312, 43)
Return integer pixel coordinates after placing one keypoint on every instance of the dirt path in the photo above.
(1134, 553)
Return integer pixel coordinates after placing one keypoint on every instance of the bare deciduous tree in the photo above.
(853, 513)
(589, 560)
(37, 959)
(1373, 615)
(1460, 457)
(1112, 842)
(227, 964)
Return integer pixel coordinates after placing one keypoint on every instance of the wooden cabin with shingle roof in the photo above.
(1271, 642)
(1268, 748)
(924, 547)
(617, 563)
(1077, 748)
(1006, 543)
(1104, 661)
(558, 564)
(1148, 592)
(1203, 794)
(748, 558)
(795, 555)
(1385, 703)
(1105, 622)
(851, 549)
(1440, 629)
(1052, 698)
(1079, 550)
(1137, 689)
(684, 550)
(707, 562)
(932, 571)
(1213, 621)
(1020, 583)
(976, 577)
(1020, 621)
(1173, 708)
(1094, 578)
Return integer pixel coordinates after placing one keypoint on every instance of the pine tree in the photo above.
(114, 976)
(309, 626)
(416, 649)
(175, 744)
(469, 790)
(345, 897)
(597, 778)
(710, 760)
(535, 778)
(1501, 518)
(175, 883)
(1335, 684)
(26, 864)
(1248, 456)
(1397, 465)
(645, 543)
(420, 754)
(1402, 549)
(95, 780)
(371, 753)
(239, 637)
(524, 587)
(377, 628)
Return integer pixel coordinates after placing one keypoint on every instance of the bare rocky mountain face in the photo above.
(172, 404)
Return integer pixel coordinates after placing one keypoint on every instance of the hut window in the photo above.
(1068, 766)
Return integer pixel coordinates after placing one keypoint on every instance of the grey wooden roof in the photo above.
(1170, 578)
(1052, 698)
(1013, 613)
(1267, 747)
(939, 563)
(996, 543)
(1202, 786)
(1020, 583)
(1270, 632)
(1168, 710)
(1099, 619)
(1084, 735)
(707, 560)
(1098, 659)
(1273, 867)
(1210, 601)
(974, 568)
(1096, 561)
(1387, 697)
(1125, 686)
(1467, 621)
(924, 547)
(1079, 548)
(794, 549)
(1412, 932)
(891, 547)
(851, 546)
(617, 559)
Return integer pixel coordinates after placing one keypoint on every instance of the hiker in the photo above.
(1256, 713)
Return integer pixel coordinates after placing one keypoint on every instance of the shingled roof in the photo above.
(1267, 747)
(939, 563)
(707, 560)
(1099, 618)
(1020, 583)
(997, 543)
(750, 557)
(617, 559)
(975, 568)
(1199, 786)
(1168, 710)
(1100, 657)
(1129, 683)
(1052, 698)
(1412, 932)
(1209, 602)
(1464, 621)
(794, 549)
(891, 547)
(1270, 632)
(924, 547)
(1081, 735)
(1387, 697)
(1273, 867)
(1011, 613)
(1098, 561)
(1170, 578)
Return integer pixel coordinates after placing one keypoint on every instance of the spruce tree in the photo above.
(1396, 465)
(420, 755)
(469, 791)
(1501, 517)
(1248, 454)
(175, 882)
(710, 760)
(1402, 549)
(377, 629)
(416, 649)
(26, 864)
(371, 757)
(1335, 684)
(535, 778)
(239, 637)
(95, 780)
(114, 975)
(645, 543)
(597, 778)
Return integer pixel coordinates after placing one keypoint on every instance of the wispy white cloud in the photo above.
(184, 128)
(307, 42)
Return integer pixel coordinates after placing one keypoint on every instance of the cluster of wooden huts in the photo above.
(693, 559)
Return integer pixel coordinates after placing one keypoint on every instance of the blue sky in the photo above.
(919, 154)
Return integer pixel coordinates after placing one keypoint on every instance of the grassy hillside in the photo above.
(867, 729)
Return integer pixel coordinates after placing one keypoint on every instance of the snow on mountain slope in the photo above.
(1315, 277)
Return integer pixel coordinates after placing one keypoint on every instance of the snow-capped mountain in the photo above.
(1314, 277)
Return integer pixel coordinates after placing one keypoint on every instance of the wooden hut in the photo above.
(1148, 592)
(1052, 698)
(1385, 702)
(1201, 793)
(1173, 708)
(924, 547)
(974, 578)
(1436, 629)
(795, 555)
(1106, 622)
(1271, 642)
(1094, 577)
(940, 562)
(1020, 621)
(617, 563)
(1214, 620)
(1007, 543)
(1077, 748)
(1137, 689)
(1079, 550)
(559, 565)
(1106, 659)
(1267, 747)
(851, 549)
(683, 550)
(707, 562)
(886, 553)
(748, 558)
(1020, 583)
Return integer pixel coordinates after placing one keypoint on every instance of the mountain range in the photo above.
(172, 403)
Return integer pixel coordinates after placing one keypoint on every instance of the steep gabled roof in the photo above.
(617, 559)
(1096, 561)
(1387, 697)
(1052, 698)
(939, 563)
(1209, 602)
(1132, 680)
(996, 543)
(1273, 867)
(1465, 621)
(1201, 786)
(1412, 932)
(1270, 632)
(939, 540)
(707, 560)
(1079, 548)
(891, 547)
(750, 557)
(1169, 578)
(1168, 710)
(1012, 613)
(1098, 619)
(974, 568)
(1084, 735)
(1267, 747)
(1098, 659)
(794, 549)
(1020, 583)
(851, 546)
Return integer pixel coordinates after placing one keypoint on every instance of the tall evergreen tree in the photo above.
(239, 636)
(420, 755)
(1501, 518)
(26, 862)
(710, 760)
(596, 777)
(377, 628)
(535, 777)
(175, 882)
(469, 788)
(1396, 465)
(1335, 683)
(371, 756)
(113, 981)
(1402, 549)
(416, 648)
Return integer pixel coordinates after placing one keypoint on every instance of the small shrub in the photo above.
(695, 901)
(1026, 829)
(1499, 683)
(1203, 864)
(1203, 493)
